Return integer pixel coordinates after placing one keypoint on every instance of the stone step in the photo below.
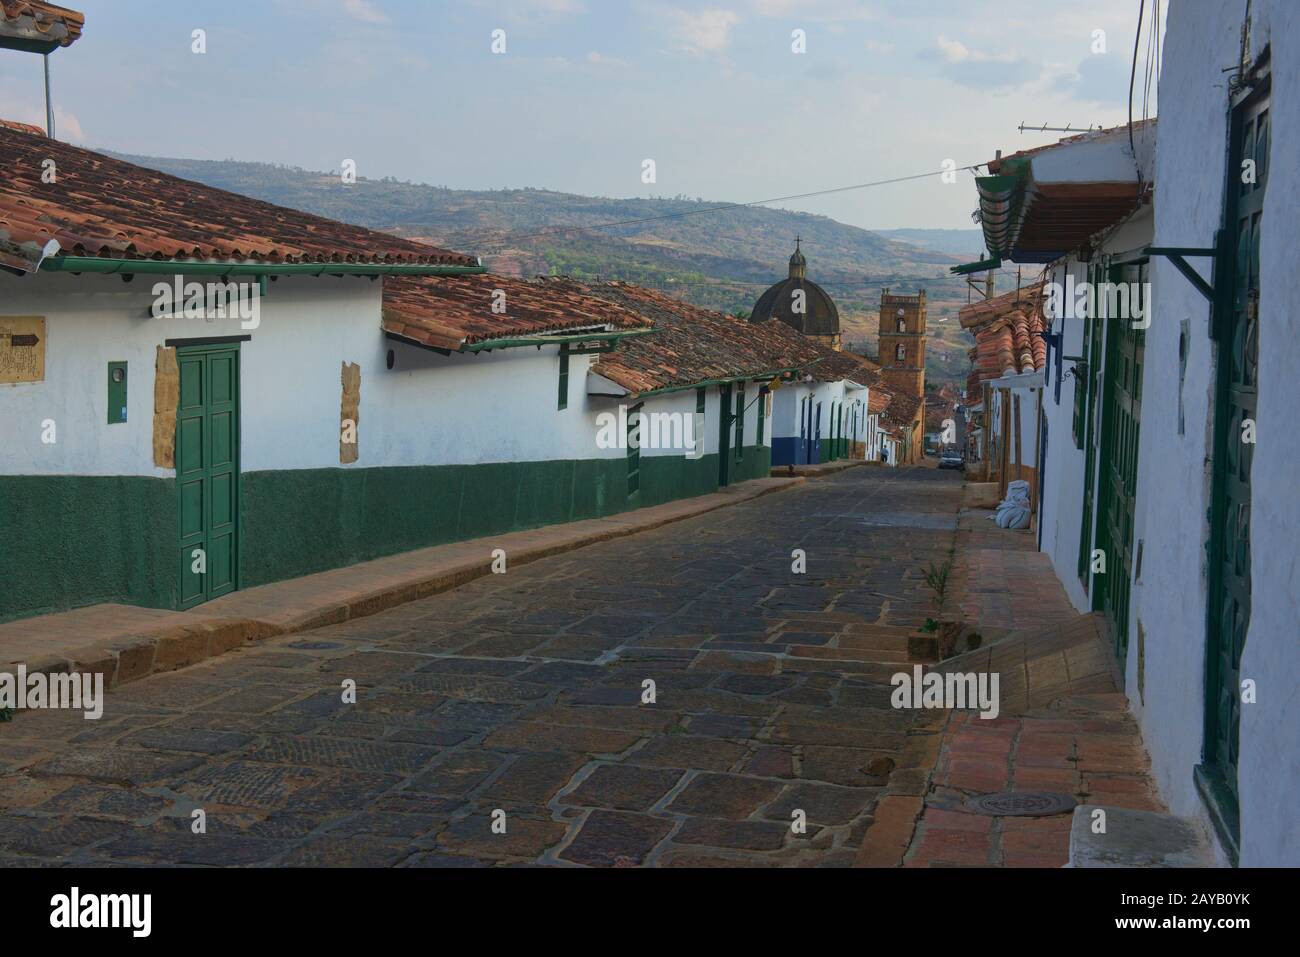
(1136, 839)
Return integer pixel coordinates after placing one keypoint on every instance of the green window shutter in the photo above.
(633, 450)
(116, 393)
(762, 416)
(564, 377)
(740, 421)
(700, 396)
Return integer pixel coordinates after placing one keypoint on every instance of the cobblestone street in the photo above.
(523, 693)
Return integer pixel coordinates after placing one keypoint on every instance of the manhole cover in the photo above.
(1021, 804)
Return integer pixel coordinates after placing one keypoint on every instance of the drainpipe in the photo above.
(49, 103)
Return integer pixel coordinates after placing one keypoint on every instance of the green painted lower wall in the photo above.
(67, 541)
(757, 463)
(300, 522)
(834, 449)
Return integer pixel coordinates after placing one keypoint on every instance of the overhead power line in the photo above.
(550, 230)
(863, 282)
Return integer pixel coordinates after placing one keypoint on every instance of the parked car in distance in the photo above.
(951, 460)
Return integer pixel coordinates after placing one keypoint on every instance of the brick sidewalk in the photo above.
(125, 643)
(1064, 725)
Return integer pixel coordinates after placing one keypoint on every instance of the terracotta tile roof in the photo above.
(903, 411)
(99, 206)
(452, 311)
(985, 310)
(692, 345)
(845, 365)
(21, 127)
(57, 24)
(1007, 335)
(879, 400)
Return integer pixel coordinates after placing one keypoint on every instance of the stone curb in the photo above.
(815, 471)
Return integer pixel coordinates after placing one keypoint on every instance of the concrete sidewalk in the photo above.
(125, 643)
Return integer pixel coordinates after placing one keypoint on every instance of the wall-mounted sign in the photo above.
(22, 349)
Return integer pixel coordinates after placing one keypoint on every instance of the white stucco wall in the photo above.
(1174, 475)
(429, 409)
(89, 322)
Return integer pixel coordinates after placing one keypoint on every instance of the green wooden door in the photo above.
(1237, 390)
(207, 471)
(1117, 481)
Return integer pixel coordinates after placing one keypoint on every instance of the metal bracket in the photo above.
(1177, 255)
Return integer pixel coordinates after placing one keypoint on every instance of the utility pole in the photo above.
(49, 102)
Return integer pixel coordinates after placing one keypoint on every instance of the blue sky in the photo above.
(588, 89)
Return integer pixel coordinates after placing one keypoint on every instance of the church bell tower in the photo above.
(902, 342)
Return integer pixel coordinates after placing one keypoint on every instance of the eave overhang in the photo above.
(1041, 205)
(983, 265)
(601, 341)
(207, 267)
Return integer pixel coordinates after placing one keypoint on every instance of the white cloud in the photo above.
(813, 11)
(705, 31)
(975, 68)
(365, 11)
(67, 126)
(954, 51)
(533, 12)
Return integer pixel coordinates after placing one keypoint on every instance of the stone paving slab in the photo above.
(581, 710)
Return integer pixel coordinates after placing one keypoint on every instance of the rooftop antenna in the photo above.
(1067, 128)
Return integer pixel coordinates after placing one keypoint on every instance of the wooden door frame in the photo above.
(724, 434)
(1113, 342)
(1217, 789)
(206, 347)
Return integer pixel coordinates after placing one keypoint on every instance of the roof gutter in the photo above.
(519, 342)
(171, 267)
(707, 383)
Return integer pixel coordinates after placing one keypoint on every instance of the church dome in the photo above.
(813, 313)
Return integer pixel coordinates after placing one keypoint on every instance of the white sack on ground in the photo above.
(1013, 512)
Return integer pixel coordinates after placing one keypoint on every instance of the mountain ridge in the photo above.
(717, 255)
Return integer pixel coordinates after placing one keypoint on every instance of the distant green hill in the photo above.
(719, 258)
